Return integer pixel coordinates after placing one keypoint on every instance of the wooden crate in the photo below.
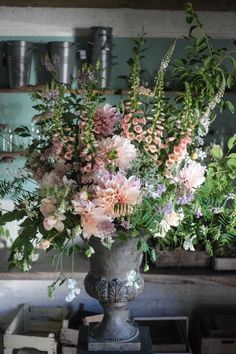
(169, 335)
(218, 333)
(182, 259)
(69, 336)
(35, 328)
(218, 346)
(224, 263)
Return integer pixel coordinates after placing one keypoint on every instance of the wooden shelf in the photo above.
(210, 5)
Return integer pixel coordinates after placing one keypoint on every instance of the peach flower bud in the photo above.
(186, 140)
(88, 158)
(142, 120)
(135, 121)
(171, 138)
(160, 127)
(130, 136)
(155, 158)
(88, 167)
(157, 141)
(44, 245)
(148, 139)
(99, 161)
(139, 111)
(164, 146)
(139, 138)
(126, 126)
(70, 147)
(68, 155)
(150, 130)
(172, 157)
(153, 148)
(178, 150)
(169, 163)
(159, 133)
(138, 129)
(127, 117)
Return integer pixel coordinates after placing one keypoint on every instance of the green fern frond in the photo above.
(5, 188)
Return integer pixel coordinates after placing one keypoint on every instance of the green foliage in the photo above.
(217, 152)
(204, 65)
(215, 227)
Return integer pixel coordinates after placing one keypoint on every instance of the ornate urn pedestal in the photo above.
(114, 280)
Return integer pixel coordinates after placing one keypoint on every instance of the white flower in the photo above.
(34, 257)
(188, 244)
(73, 290)
(18, 256)
(164, 228)
(201, 154)
(217, 210)
(231, 196)
(131, 278)
(26, 267)
(174, 218)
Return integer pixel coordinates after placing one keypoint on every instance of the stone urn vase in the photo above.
(114, 280)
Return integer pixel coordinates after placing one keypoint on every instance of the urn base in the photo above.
(131, 344)
(84, 346)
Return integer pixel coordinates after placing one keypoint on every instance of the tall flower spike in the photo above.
(187, 116)
(159, 97)
(205, 120)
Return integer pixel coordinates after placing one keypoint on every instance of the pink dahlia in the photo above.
(192, 175)
(118, 151)
(92, 217)
(105, 120)
(118, 191)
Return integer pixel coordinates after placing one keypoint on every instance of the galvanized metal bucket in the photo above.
(100, 51)
(63, 56)
(18, 56)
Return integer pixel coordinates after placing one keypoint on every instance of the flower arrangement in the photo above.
(111, 172)
(210, 219)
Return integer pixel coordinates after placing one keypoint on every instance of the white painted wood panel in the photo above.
(125, 22)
